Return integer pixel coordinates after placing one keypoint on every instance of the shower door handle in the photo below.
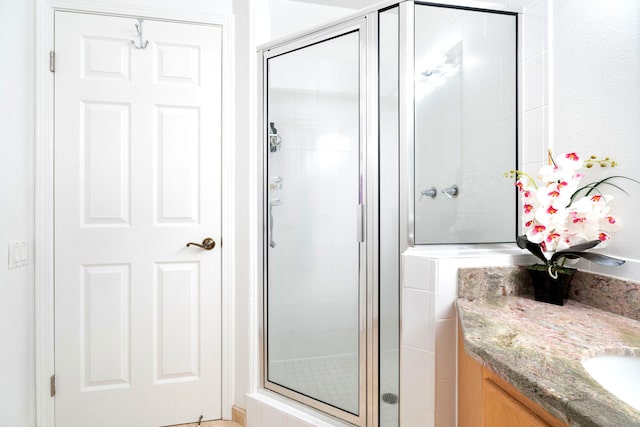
(362, 212)
(272, 203)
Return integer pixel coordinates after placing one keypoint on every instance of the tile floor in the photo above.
(217, 423)
(334, 380)
(331, 379)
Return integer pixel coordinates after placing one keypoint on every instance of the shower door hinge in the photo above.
(52, 385)
(52, 61)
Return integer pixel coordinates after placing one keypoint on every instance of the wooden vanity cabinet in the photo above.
(486, 400)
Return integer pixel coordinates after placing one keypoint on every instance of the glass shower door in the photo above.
(313, 198)
(465, 125)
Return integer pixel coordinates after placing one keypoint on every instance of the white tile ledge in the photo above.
(464, 250)
(297, 413)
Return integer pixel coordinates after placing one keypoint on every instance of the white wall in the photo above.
(288, 17)
(17, 400)
(595, 97)
(245, 286)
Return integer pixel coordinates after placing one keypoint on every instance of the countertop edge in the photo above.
(538, 348)
(548, 402)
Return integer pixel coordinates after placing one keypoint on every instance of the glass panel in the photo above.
(465, 125)
(313, 194)
(389, 302)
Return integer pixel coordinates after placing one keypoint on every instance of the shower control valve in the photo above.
(275, 183)
(429, 192)
(451, 192)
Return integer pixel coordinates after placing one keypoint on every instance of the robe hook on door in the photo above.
(140, 45)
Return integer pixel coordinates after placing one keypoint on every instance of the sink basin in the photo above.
(620, 375)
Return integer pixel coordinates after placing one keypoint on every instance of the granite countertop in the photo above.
(538, 347)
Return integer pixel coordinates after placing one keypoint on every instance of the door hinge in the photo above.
(52, 385)
(52, 61)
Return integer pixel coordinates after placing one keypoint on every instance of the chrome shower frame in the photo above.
(366, 22)
(365, 26)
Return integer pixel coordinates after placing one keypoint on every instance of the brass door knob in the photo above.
(207, 244)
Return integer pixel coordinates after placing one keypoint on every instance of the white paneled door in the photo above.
(137, 176)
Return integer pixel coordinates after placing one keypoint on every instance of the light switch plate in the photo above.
(18, 254)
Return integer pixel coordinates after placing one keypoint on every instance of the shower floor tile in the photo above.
(334, 380)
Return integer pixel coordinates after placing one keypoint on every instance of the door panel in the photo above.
(105, 293)
(177, 174)
(137, 176)
(105, 163)
(177, 337)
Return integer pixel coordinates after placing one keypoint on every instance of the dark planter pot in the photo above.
(546, 288)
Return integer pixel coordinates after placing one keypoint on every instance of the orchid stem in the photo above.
(517, 174)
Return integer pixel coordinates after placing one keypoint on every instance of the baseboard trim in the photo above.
(239, 416)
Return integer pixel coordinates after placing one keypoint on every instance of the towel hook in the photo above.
(139, 31)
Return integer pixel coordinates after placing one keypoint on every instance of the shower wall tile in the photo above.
(306, 106)
(295, 422)
(305, 135)
(534, 62)
(446, 285)
(328, 226)
(311, 256)
(329, 109)
(337, 339)
(416, 273)
(321, 287)
(437, 268)
(312, 317)
(419, 325)
(535, 135)
(414, 416)
(285, 164)
(518, 4)
(280, 105)
(434, 274)
(351, 133)
(476, 74)
(473, 28)
(272, 417)
(535, 28)
(480, 198)
(486, 106)
(265, 407)
(282, 347)
(417, 378)
(254, 412)
(306, 346)
(337, 77)
(483, 155)
(535, 95)
(308, 164)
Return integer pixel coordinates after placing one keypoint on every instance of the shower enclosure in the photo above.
(357, 118)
